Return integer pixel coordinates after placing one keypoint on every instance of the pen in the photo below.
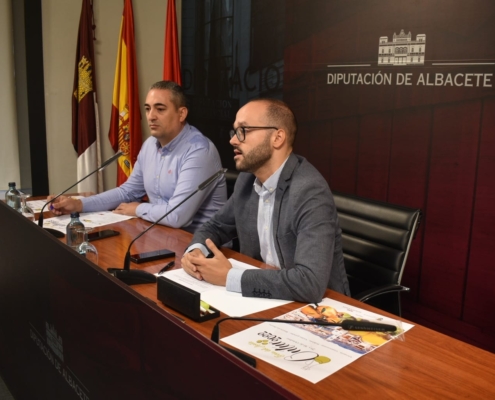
(167, 267)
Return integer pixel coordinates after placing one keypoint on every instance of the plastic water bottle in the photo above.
(12, 197)
(73, 238)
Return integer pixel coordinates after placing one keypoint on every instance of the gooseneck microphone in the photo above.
(54, 232)
(347, 324)
(136, 276)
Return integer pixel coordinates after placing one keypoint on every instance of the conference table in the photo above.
(425, 364)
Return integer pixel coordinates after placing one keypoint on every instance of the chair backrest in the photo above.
(376, 237)
(230, 178)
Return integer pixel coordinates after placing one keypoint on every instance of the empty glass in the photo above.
(24, 209)
(86, 248)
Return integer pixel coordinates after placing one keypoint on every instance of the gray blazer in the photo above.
(306, 231)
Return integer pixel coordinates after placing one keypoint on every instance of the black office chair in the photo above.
(230, 178)
(376, 238)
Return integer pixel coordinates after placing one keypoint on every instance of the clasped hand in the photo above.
(212, 270)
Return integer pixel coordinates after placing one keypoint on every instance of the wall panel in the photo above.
(409, 168)
(479, 303)
(428, 142)
(450, 200)
(374, 156)
(344, 156)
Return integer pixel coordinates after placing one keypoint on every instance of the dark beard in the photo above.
(256, 158)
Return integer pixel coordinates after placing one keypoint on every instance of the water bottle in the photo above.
(12, 197)
(73, 238)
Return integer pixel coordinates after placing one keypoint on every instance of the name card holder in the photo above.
(184, 300)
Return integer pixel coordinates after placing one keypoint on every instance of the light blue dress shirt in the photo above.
(168, 175)
(266, 192)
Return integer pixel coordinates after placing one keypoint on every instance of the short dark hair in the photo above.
(178, 96)
(280, 115)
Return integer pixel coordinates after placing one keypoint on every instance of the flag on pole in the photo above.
(85, 122)
(125, 124)
(171, 59)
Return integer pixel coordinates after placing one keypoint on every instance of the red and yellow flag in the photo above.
(85, 123)
(125, 124)
(171, 59)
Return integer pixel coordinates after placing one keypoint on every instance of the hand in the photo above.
(127, 209)
(65, 205)
(189, 261)
(213, 270)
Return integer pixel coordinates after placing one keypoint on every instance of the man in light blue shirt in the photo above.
(170, 166)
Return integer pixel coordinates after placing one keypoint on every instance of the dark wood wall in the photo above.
(427, 146)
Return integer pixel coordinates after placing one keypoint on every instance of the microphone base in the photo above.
(244, 357)
(132, 276)
(55, 233)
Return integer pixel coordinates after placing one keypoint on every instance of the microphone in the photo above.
(54, 232)
(347, 324)
(136, 276)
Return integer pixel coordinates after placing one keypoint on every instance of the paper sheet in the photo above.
(37, 205)
(230, 303)
(90, 220)
(314, 352)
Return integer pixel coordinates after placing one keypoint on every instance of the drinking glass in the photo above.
(24, 208)
(86, 248)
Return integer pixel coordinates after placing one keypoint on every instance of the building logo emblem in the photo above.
(402, 50)
(53, 349)
(54, 341)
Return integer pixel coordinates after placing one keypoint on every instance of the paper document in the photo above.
(89, 220)
(314, 352)
(230, 303)
(37, 205)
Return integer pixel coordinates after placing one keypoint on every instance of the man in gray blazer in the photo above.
(281, 210)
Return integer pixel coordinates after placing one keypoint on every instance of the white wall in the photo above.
(60, 26)
(9, 155)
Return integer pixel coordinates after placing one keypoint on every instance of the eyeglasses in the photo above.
(240, 132)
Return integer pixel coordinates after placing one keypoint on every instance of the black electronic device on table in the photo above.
(151, 256)
(92, 236)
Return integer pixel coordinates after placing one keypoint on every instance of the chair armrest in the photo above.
(368, 294)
